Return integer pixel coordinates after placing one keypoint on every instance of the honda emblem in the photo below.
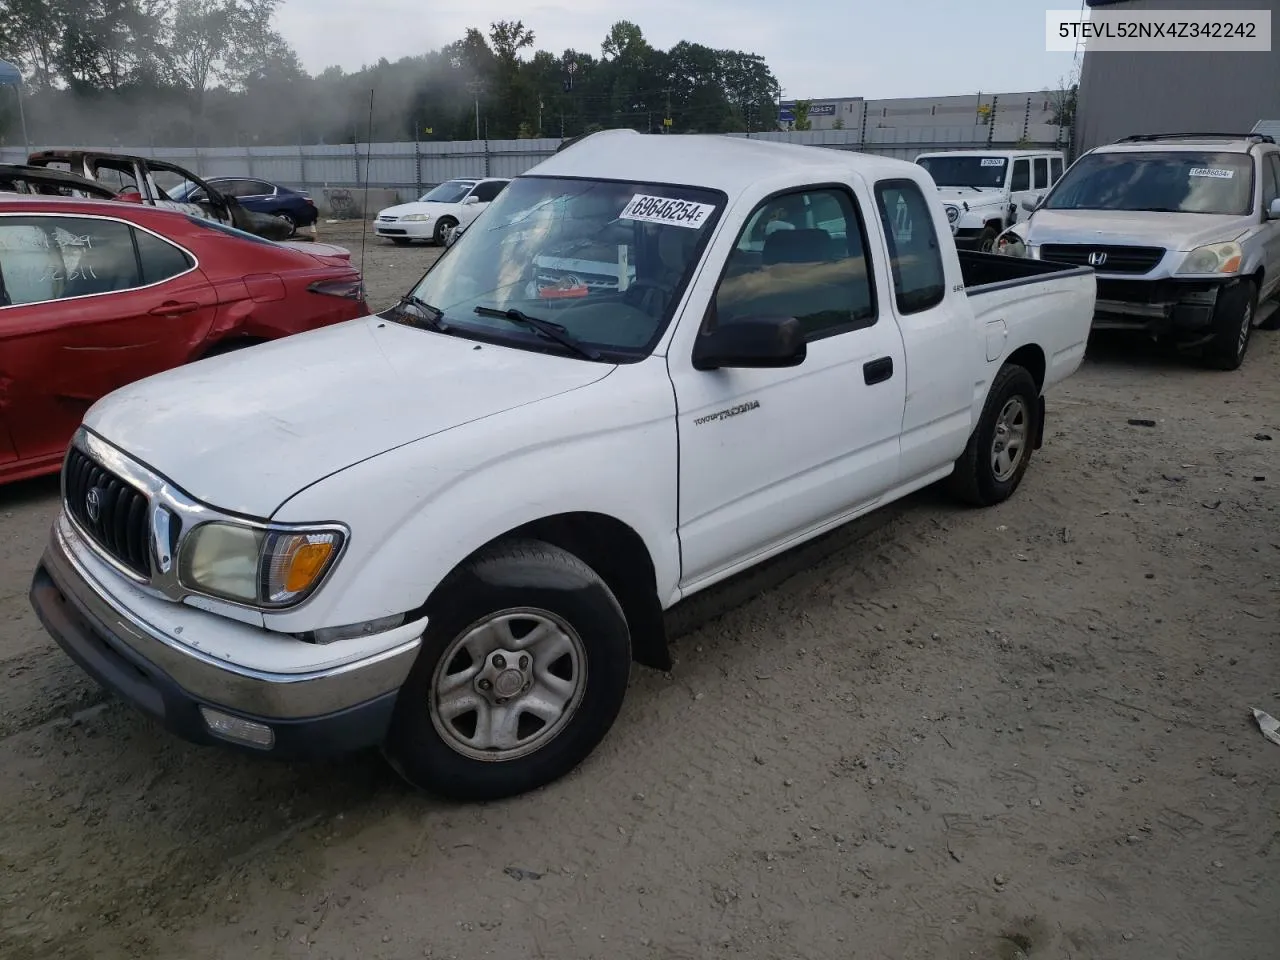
(1097, 258)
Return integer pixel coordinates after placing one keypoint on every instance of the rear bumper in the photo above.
(1180, 309)
(313, 715)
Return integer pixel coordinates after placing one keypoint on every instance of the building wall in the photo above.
(1034, 107)
(1126, 93)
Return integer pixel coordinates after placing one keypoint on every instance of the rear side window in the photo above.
(160, 259)
(54, 258)
(1021, 175)
(1041, 165)
(915, 258)
(1055, 169)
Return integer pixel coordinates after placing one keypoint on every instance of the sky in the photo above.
(816, 48)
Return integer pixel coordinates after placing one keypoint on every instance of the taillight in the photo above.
(350, 289)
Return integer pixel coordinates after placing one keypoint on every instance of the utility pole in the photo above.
(539, 114)
(666, 121)
(476, 87)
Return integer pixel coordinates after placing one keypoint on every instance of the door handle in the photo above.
(171, 308)
(877, 371)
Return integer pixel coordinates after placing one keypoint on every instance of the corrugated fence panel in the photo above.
(408, 167)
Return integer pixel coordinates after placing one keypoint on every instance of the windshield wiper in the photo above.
(434, 315)
(552, 331)
(1154, 210)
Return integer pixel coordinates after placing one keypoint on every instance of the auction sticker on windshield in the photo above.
(993, 162)
(676, 213)
(1212, 173)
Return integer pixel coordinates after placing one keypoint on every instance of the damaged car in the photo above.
(95, 295)
(159, 183)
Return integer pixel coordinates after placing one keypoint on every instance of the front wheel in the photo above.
(443, 226)
(999, 450)
(287, 219)
(522, 672)
(1233, 324)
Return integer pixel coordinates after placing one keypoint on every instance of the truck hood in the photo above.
(245, 431)
(1173, 231)
(962, 195)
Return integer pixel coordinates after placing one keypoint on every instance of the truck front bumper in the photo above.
(1179, 309)
(317, 714)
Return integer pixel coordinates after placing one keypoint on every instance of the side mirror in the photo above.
(470, 200)
(1273, 212)
(1030, 205)
(751, 342)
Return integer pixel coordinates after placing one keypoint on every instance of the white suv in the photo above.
(1183, 231)
(452, 204)
(984, 190)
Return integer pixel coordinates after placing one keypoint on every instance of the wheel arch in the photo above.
(618, 554)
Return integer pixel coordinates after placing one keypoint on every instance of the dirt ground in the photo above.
(1014, 733)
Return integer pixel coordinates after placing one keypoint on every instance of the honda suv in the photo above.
(1183, 231)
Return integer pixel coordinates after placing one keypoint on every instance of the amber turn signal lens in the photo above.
(306, 565)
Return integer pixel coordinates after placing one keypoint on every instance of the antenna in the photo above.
(364, 203)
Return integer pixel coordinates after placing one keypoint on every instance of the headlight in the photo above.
(1213, 258)
(415, 218)
(953, 214)
(256, 566)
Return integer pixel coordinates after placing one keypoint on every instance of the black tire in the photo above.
(400, 241)
(519, 575)
(975, 480)
(987, 238)
(287, 217)
(442, 227)
(1233, 326)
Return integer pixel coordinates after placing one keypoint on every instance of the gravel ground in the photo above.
(1020, 732)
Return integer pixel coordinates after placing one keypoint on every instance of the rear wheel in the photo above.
(287, 218)
(443, 225)
(522, 672)
(1233, 325)
(999, 450)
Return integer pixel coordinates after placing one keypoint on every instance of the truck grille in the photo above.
(112, 512)
(1118, 259)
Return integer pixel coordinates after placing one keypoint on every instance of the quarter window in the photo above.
(1021, 176)
(801, 255)
(915, 257)
(159, 258)
(1055, 169)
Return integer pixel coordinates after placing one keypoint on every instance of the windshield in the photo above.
(1174, 181)
(605, 261)
(966, 171)
(451, 191)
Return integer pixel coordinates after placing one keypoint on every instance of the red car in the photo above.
(97, 294)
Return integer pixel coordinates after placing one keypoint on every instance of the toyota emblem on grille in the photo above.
(1097, 258)
(93, 504)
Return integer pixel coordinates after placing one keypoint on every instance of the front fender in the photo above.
(418, 511)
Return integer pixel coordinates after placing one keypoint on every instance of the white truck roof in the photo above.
(994, 151)
(711, 161)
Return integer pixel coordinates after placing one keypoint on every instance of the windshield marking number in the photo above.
(665, 210)
(993, 161)
(1213, 173)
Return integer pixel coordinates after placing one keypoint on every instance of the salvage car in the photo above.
(97, 294)
(1183, 231)
(44, 181)
(984, 190)
(459, 555)
(155, 182)
(452, 205)
(294, 207)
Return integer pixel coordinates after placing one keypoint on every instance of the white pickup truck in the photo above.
(448, 530)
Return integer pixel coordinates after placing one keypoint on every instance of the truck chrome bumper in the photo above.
(201, 698)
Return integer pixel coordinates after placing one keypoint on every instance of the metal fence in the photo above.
(402, 171)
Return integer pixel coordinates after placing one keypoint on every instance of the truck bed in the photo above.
(986, 272)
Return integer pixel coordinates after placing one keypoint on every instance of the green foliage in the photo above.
(801, 112)
(214, 72)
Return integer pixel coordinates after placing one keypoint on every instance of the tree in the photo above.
(1063, 101)
(801, 111)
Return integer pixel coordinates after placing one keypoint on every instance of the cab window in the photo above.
(915, 257)
(801, 255)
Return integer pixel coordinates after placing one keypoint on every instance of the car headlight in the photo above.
(953, 214)
(416, 218)
(1213, 258)
(258, 566)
